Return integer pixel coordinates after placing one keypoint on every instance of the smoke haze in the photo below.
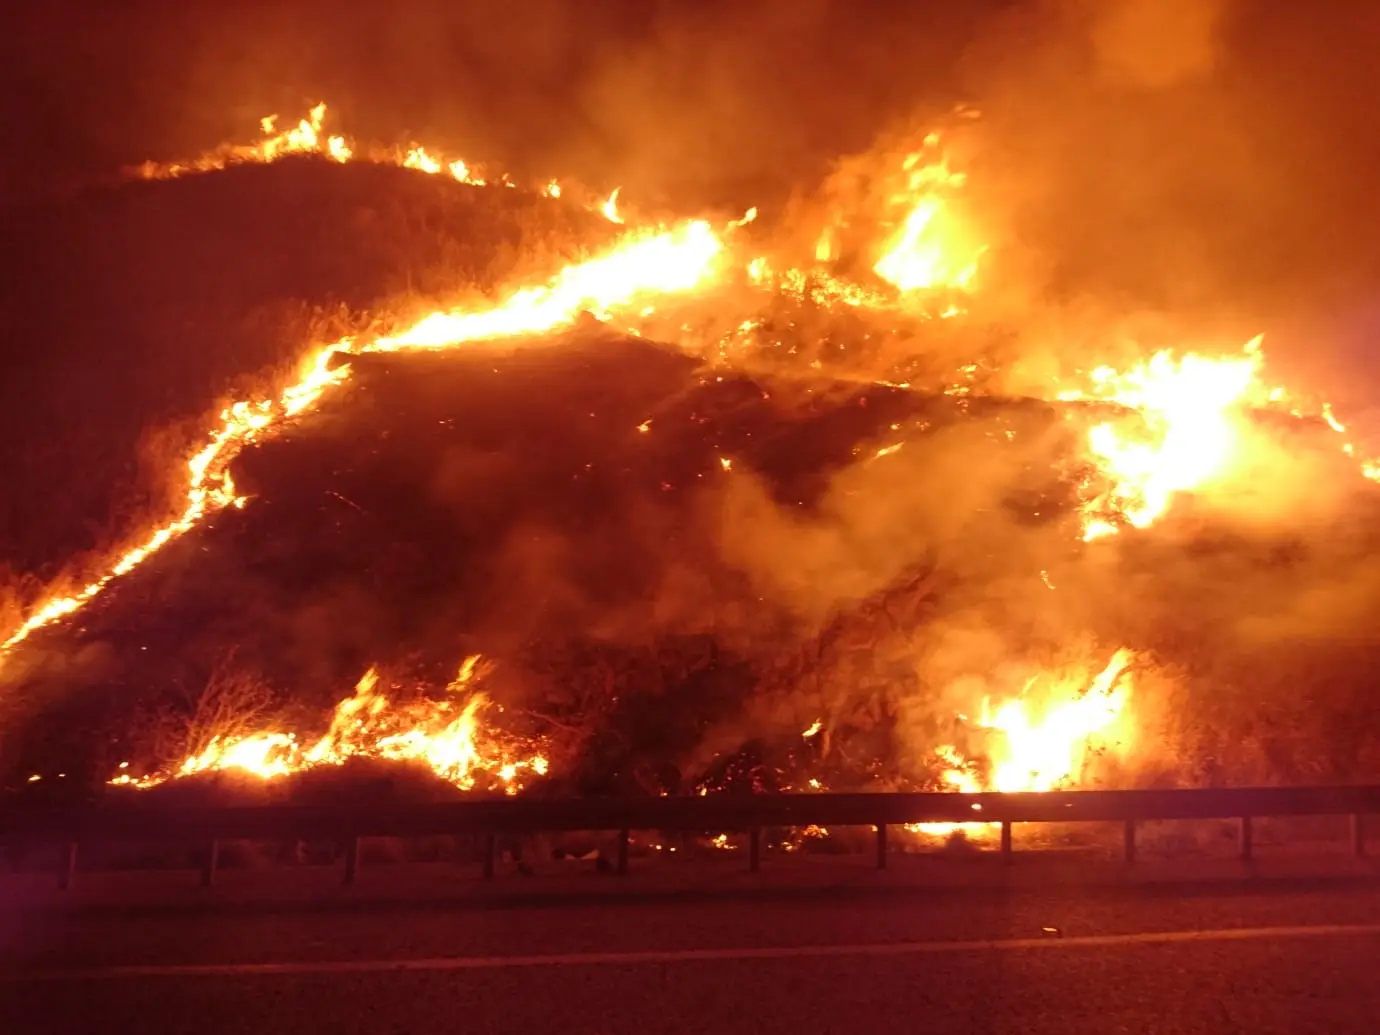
(1148, 174)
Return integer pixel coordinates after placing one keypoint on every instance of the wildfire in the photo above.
(1175, 425)
(645, 263)
(931, 249)
(444, 735)
(1040, 739)
(1182, 426)
(307, 137)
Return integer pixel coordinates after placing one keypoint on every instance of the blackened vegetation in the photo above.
(560, 507)
(555, 507)
(130, 312)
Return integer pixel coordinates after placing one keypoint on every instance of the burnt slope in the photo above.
(690, 596)
(135, 308)
(518, 502)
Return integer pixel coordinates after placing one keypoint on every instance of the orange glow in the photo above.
(610, 207)
(932, 248)
(1174, 426)
(644, 264)
(444, 735)
(1040, 739)
(1180, 431)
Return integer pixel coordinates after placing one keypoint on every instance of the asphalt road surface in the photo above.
(1214, 958)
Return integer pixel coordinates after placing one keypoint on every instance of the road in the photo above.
(1212, 958)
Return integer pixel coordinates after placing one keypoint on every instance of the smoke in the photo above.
(1148, 174)
(1153, 44)
(1195, 163)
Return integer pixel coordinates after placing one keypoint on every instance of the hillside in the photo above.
(675, 572)
(133, 310)
(749, 573)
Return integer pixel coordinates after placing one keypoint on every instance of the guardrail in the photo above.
(748, 814)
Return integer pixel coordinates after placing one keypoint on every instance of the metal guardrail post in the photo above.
(69, 867)
(208, 868)
(352, 860)
(623, 852)
(66, 827)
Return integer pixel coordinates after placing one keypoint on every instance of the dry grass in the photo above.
(233, 703)
(210, 289)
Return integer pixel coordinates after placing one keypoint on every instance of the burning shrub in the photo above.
(693, 577)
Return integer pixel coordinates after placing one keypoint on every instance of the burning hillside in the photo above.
(831, 530)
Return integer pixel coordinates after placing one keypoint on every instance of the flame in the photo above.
(1178, 428)
(305, 138)
(1041, 739)
(646, 263)
(1039, 750)
(610, 207)
(1182, 431)
(932, 249)
(1028, 753)
(308, 138)
(1182, 427)
(444, 735)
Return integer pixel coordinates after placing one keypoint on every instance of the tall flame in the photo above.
(1183, 431)
(1040, 739)
(931, 249)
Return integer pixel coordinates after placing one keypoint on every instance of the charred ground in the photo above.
(133, 310)
(677, 567)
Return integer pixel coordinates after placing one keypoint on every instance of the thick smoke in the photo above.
(1149, 174)
(1142, 190)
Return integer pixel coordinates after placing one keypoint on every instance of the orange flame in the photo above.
(444, 735)
(304, 138)
(1183, 429)
(1042, 737)
(932, 248)
(308, 138)
(610, 207)
(674, 260)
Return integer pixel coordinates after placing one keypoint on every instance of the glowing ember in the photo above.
(444, 735)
